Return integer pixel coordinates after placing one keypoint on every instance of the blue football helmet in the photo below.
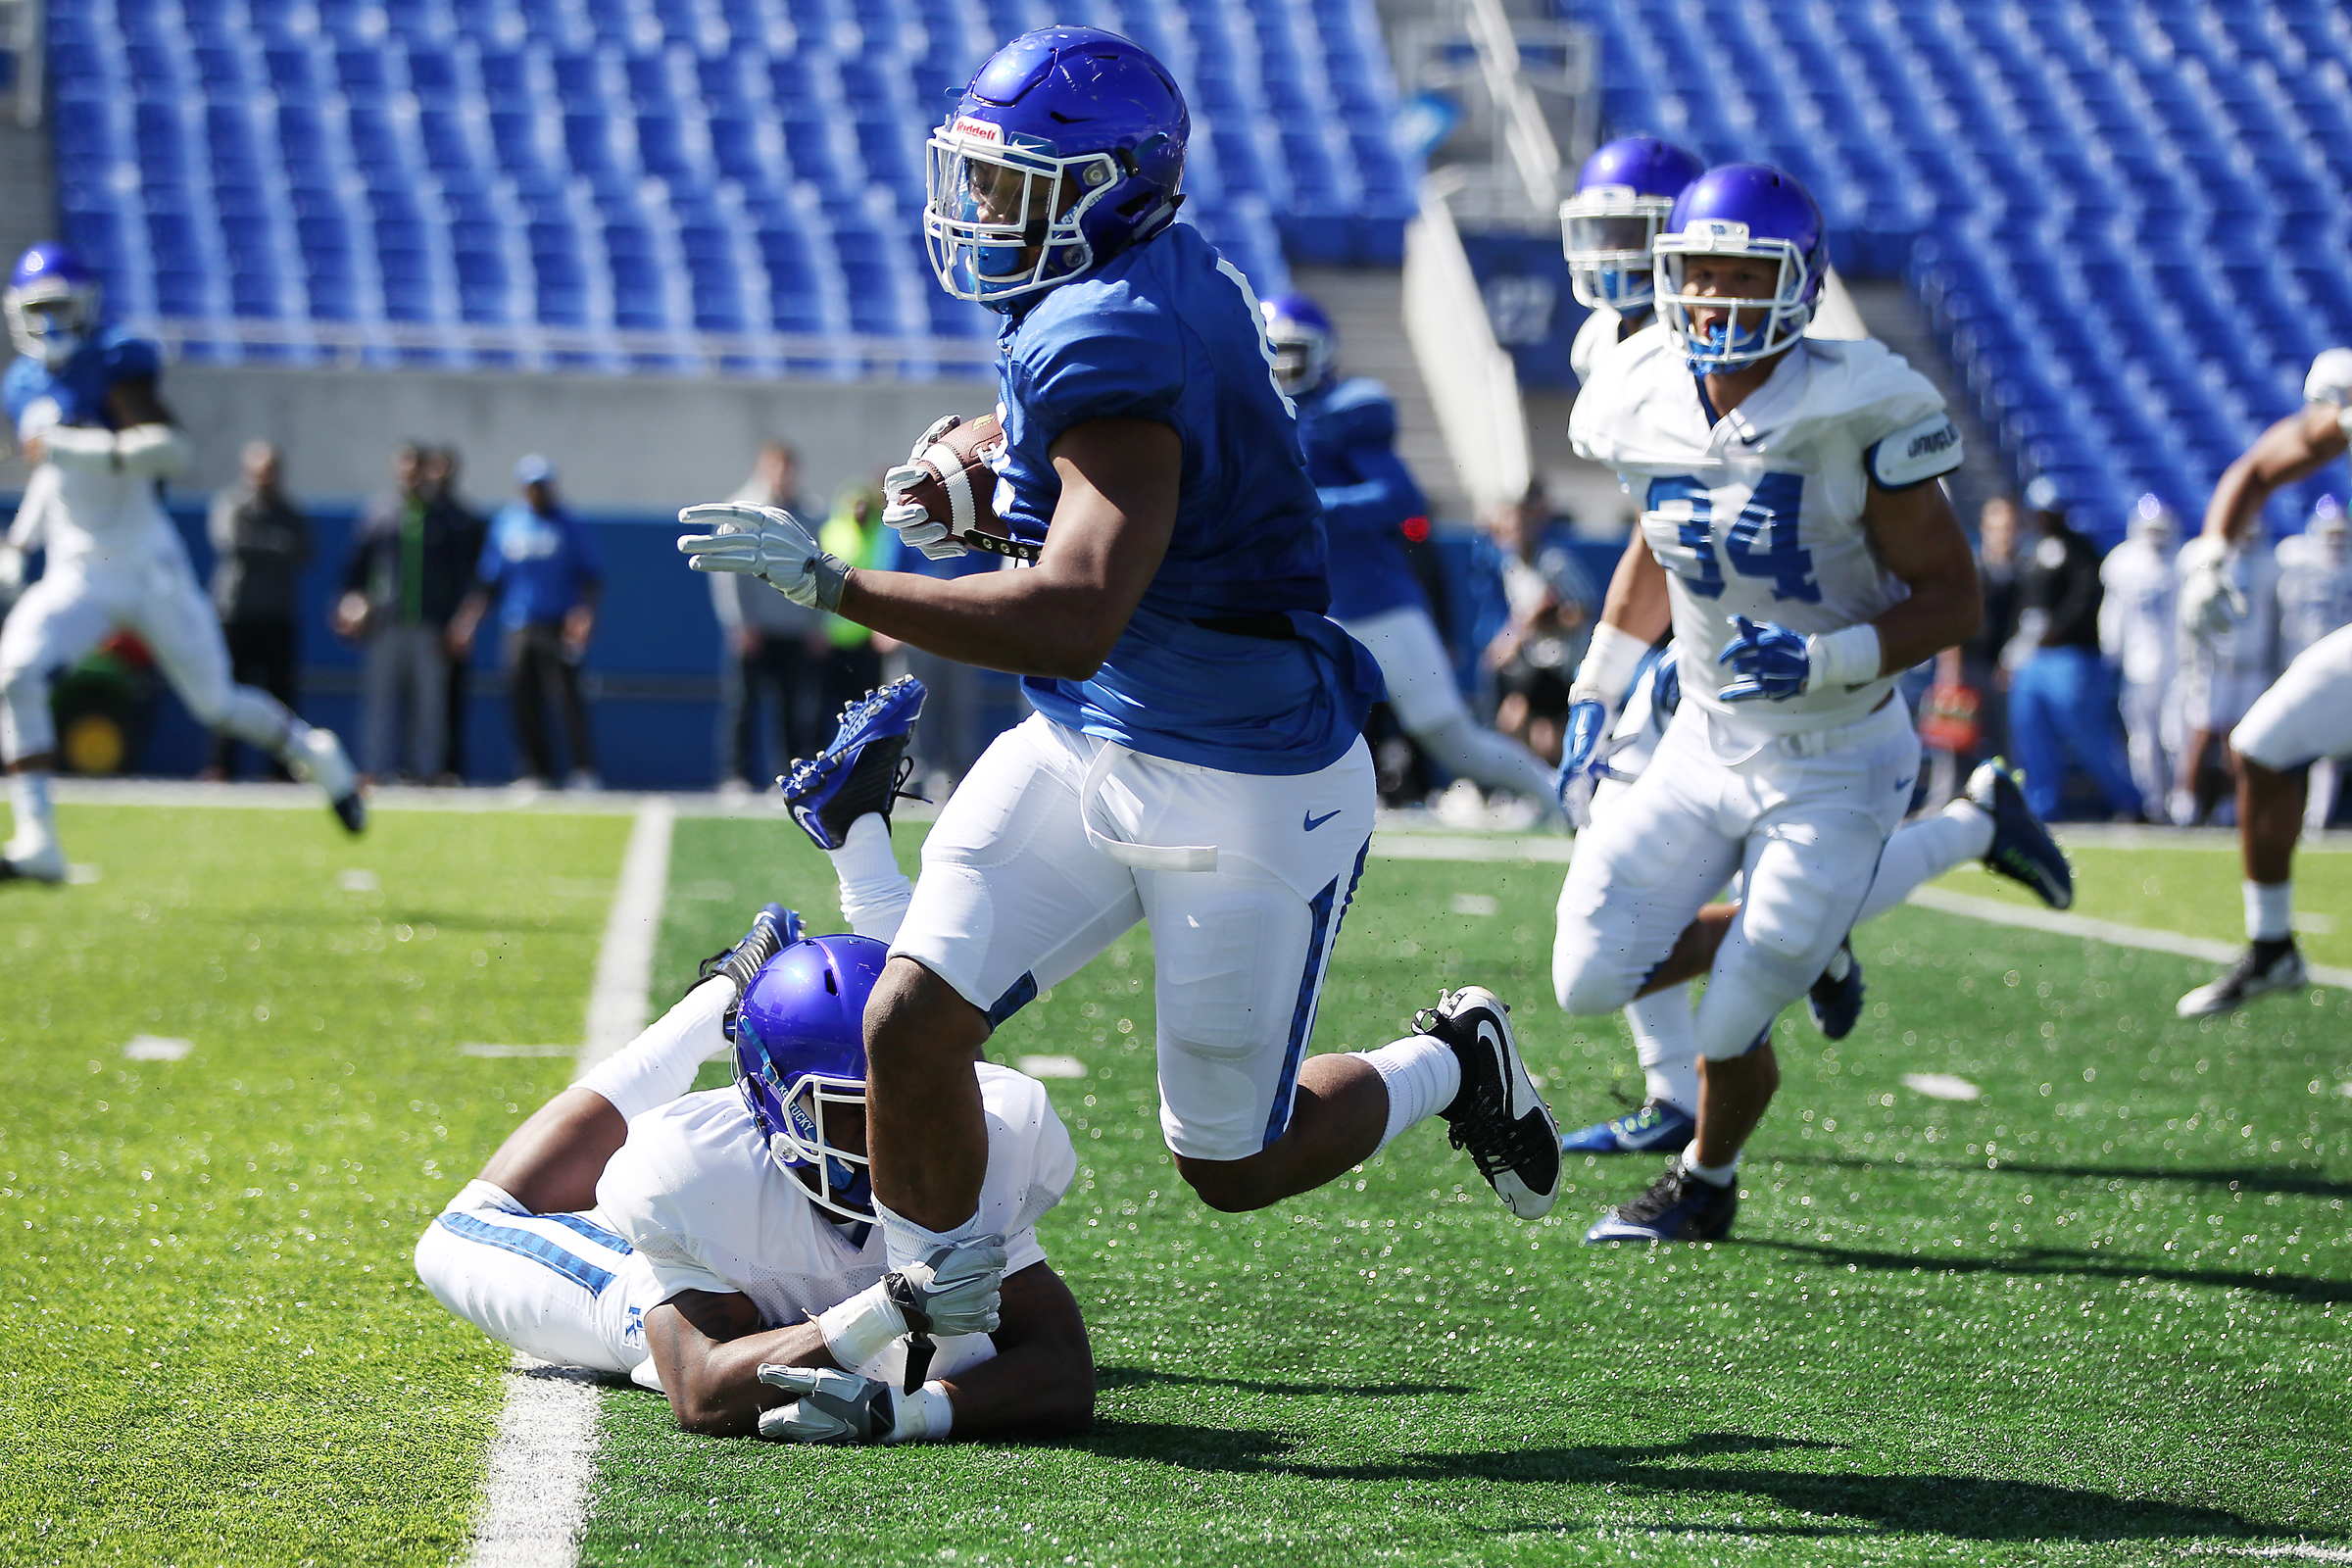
(52, 303)
(1066, 149)
(799, 1059)
(1303, 341)
(1623, 195)
(1751, 211)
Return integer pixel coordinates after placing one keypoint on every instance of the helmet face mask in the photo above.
(1740, 213)
(815, 1109)
(52, 305)
(1066, 150)
(1609, 230)
(1302, 342)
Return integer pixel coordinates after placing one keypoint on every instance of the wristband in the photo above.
(1842, 660)
(1610, 660)
(925, 1416)
(861, 1327)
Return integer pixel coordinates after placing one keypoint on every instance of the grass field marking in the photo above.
(2113, 932)
(157, 1048)
(545, 1452)
(1941, 1085)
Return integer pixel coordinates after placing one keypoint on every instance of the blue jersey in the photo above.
(81, 385)
(1169, 332)
(540, 566)
(1348, 429)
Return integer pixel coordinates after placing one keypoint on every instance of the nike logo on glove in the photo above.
(1313, 821)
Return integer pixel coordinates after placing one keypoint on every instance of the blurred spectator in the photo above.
(2222, 671)
(1965, 716)
(770, 648)
(2061, 701)
(543, 569)
(2137, 635)
(262, 541)
(853, 664)
(2315, 598)
(468, 530)
(1552, 606)
(408, 573)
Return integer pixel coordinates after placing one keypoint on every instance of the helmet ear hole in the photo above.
(832, 985)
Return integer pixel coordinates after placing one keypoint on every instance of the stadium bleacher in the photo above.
(2126, 218)
(603, 183)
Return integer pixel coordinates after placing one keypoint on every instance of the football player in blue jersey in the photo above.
(1195, 760)
(1348, 426)
(81, 398)
(1623, 195)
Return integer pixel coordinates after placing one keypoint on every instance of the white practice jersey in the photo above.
(1760, 514)
(2137, 613)
(92, 522)
(2250, 645)
(698, 1197)
(1594, 338)
(2315, 591)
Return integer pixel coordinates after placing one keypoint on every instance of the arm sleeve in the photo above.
(84, 447)
(156, 450)
(1383, 495)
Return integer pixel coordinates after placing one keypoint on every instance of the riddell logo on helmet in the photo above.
(977, 129)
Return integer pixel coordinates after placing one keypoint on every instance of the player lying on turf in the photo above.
(721, 1246)
(2305, 715)
(1991, 824)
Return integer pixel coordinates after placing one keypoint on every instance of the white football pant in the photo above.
(564, 1288)
(2307, 714)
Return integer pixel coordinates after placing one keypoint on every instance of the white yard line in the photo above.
(2109, 931)
(545, 1452)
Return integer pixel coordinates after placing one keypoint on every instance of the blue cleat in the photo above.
(1678, 1208)
(861, 772)
(1835, 999)
(2022, 850)
(773, 929)
(1658, 1124)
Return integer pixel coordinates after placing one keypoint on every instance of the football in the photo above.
(959, 487)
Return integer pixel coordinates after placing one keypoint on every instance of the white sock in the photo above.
(660, 1064)
(36, 818)
(1667, 1043)
(2270, 911)
(904, 1241)
(1920, 851)
(874, 892)
(1421, 1074)
(1720, 1175)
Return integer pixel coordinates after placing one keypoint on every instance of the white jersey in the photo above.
(2137, 614)
(2249, 647)
(696, 1193)
(2315, 591)
(92, 522)
(1594, 338)
(1759, 514)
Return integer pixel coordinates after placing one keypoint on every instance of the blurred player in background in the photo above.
(1347, 428)
(2315, 598)
(1624, 194)
(2305, 715)
(1197, 758)
(1792, 532)
(82, 399)
(2229, 637)
(2139, 636)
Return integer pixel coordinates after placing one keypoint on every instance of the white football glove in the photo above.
(2210, 603)
(2330, 378)
(767, 543)
(922, 531)
(828, 1406)
(953, 1290)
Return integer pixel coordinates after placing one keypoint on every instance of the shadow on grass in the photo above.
(2054, 1260)
(1131, 1377)
(1961, 1507)
(2308, 1184)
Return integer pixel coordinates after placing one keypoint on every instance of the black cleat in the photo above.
(1678, 1208)
(773, 929)
(1835, 999)
(1498, 1116)
(863, 771)
(2276, 964)
(2022, 850)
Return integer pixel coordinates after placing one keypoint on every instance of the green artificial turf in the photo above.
(215, 1349)
(2098, 1315)
(2191, 889)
